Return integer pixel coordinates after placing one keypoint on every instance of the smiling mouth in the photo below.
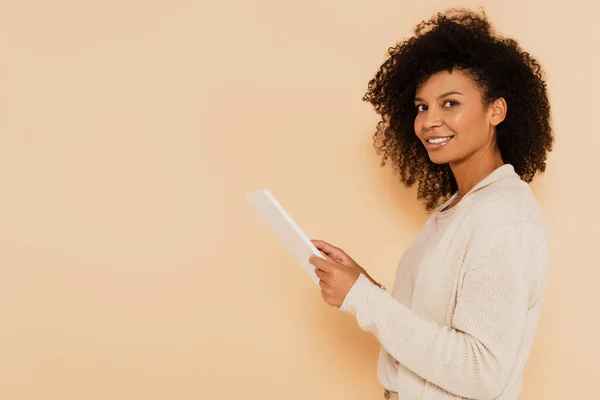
(437, 142)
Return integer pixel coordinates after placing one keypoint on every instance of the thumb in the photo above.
(338, 255)
(327, 257)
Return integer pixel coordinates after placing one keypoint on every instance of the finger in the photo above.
(330, 250)
(323, 285)
(325, 247)
(319, 273)
(322, 264)
(327, 257)
(323, 276)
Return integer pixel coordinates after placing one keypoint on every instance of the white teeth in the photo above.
(439, 140)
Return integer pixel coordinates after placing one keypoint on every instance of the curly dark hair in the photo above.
(460, 39)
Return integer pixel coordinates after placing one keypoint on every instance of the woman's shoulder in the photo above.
(506, 203)
(506, 218)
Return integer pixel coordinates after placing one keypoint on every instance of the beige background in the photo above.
(131, 266)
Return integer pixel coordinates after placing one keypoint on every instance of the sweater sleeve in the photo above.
(474, 357)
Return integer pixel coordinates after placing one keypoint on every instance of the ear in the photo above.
(498, 110)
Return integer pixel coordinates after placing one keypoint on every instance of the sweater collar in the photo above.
(504, 171)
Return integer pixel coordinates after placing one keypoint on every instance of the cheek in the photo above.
(458, 122)
(417, 125)
(464, 123)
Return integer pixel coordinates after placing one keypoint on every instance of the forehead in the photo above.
(444, 82)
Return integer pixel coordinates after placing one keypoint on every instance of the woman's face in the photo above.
(452, 121)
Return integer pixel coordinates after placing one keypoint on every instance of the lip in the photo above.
(435, 146)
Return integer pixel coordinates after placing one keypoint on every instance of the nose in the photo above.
(432, 119)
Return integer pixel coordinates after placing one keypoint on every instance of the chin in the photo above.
(440, 159)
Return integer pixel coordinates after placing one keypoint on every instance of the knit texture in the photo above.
(476, 302)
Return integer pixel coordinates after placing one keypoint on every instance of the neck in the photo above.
(474, 169)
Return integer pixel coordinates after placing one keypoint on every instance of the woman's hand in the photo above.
(337, 272)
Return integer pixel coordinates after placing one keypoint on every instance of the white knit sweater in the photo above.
(476, 303)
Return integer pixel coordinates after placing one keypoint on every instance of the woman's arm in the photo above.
(475, 357)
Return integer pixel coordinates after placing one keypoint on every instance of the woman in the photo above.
(465, 114)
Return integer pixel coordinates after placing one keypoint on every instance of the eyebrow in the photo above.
(441, 96)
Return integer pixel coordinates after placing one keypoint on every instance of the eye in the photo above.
(421, 107)
(451, 103)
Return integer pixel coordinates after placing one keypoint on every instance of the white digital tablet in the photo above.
(285, 228)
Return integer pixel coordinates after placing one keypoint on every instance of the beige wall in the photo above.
(131, 266)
